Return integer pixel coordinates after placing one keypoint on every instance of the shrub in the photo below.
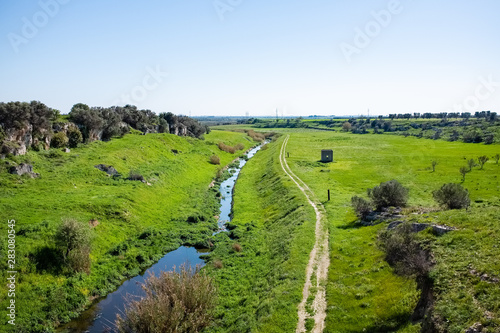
(74, 137)
(482, 160)
(226, 148)
(175, 302)
(134, 175)
(452, 196)
(218, 264)
(214, 159)
(471, 163)
(239, 146)
(390, 193)
(256, 136)
(236, 247)
(74, 242)
(463, 171)
(361, 206)
(346, 127)
(403, 251)
(496, 158)
(59, 140)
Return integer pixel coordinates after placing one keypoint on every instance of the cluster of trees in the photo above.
(492, 116)
(19, 115)
(34, 123)
(105, 123)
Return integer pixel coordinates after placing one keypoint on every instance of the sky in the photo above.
(238, 57)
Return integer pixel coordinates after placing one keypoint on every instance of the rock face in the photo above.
(108, 169)
(22, 169)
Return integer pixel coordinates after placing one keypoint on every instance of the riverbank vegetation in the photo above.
(259, 265)
(132, 223)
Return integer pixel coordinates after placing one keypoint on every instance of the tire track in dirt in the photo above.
(319, 260)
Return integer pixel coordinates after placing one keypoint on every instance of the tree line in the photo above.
(34, 123)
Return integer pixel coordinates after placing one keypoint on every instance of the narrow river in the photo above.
(101, 316)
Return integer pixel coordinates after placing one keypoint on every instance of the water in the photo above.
(102, 315)
(226, 190)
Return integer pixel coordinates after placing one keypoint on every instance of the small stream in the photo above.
(101, 316)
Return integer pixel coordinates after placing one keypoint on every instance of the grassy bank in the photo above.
(363, 293)
(261, 271)
(136, 222)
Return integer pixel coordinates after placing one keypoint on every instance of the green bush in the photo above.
(59, 140)
(175, 302)
(452, 196)
(390, 193)
(74, 137)
(214, 159)
(403, 251)
(74, 242)
(361, 206)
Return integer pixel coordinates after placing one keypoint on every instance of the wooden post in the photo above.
(288, 154)
(328, 195)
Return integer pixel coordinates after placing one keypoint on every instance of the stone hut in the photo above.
(326, 155)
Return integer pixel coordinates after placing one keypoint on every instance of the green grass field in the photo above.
(259, 266)
(363, 293)
(138, 223)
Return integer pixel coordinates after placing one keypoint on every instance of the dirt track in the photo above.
(319, 259)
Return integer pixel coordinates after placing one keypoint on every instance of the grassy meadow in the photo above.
(260, 265)
(363, 293)
(137, 222)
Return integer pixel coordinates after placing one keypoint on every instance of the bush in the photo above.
(214, 159)
(175, 302)
(236, 247)
(74, 242)
(390, 193)
(226, 148)
(403, 251)
(74, 137)
(59, 140)
(361, 206)
(239, 146)
(452, 196)
(134, 175)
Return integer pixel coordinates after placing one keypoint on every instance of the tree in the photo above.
(361, 206)
(482, 160)
(452, 196)
(434, 163)
(463, 171)
(73, 240)
(390, 193)
(471, 163)
(88, 120)
(346, 127)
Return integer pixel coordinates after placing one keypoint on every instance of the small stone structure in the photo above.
(326, 155)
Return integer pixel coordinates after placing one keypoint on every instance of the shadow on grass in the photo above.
(48, 259)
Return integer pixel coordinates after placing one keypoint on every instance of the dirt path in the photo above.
(319, 260)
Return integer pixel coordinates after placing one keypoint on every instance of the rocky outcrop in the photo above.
(108, 169)
(418, 227)
(23, 169)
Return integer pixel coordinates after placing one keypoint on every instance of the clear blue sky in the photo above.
(253, 55)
